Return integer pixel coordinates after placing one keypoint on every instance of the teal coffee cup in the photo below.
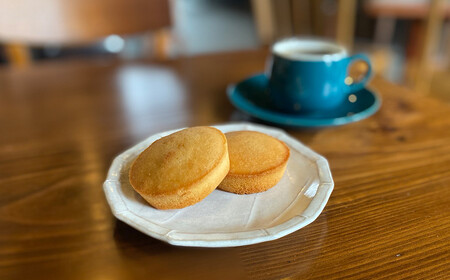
(310, 75)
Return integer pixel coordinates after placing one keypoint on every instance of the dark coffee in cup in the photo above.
(296, 52)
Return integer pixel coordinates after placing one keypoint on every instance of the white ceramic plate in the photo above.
(224, 219)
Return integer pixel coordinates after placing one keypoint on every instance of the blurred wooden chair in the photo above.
(276, 19)
(427, 18)
(26, 23)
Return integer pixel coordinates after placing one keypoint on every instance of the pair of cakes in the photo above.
(183, 168)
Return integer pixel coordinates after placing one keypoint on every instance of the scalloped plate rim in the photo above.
(227, 239)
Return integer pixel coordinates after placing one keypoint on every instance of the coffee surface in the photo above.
(315, 51)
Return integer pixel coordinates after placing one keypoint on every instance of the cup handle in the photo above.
(351, 86)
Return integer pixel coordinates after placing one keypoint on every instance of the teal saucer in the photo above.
(251, 97)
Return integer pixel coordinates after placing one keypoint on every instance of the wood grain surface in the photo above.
(62, 123)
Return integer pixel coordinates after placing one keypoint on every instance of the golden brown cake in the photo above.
(181, 169)
(257, 162)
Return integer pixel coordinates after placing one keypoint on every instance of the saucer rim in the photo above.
(246, 106)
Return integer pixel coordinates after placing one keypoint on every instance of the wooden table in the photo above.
(63, 122)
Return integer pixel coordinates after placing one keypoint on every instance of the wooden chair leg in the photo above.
(433, 27)
(264, 20)
(346, 23)
(18, 55)
(162, 41)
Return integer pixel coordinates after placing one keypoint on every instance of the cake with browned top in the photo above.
(257, 162)
(181, 169)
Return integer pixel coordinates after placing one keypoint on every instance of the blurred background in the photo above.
(408, 40)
